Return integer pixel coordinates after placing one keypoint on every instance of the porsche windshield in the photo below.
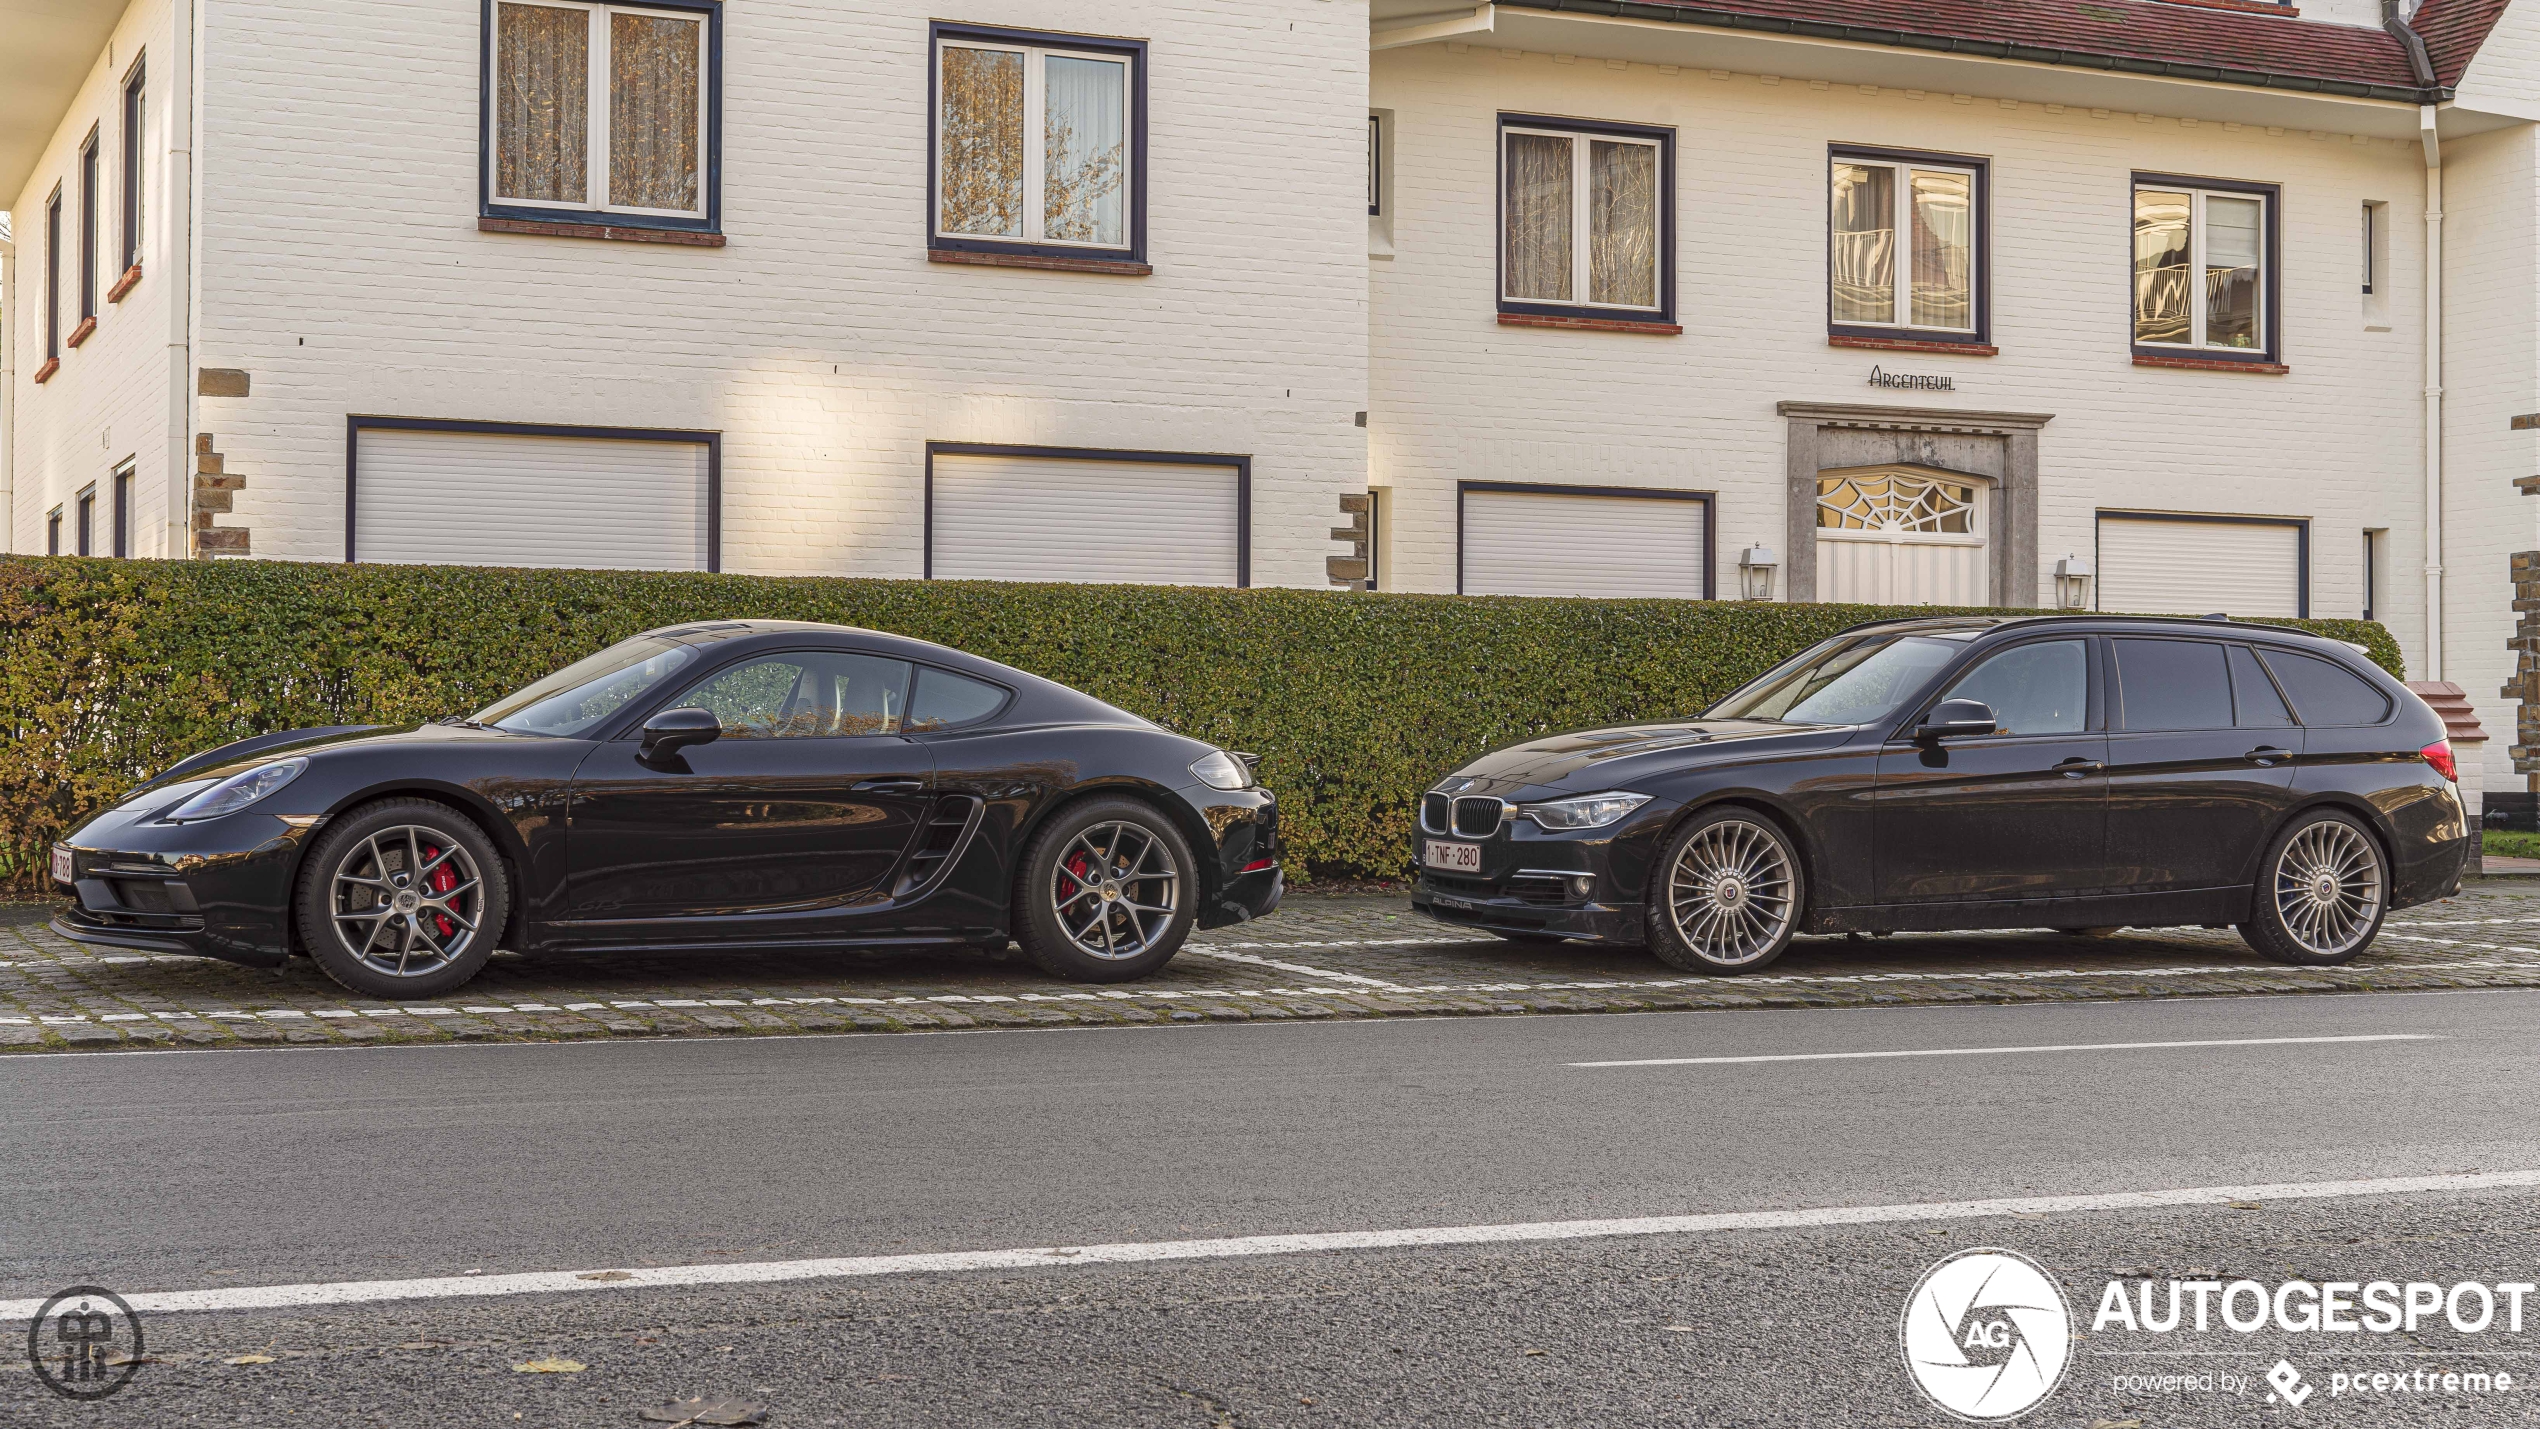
(1853, 681)
(579, 696)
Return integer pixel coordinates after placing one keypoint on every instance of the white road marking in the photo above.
(547, 1282)
(1999, 1051)
(1225, 954)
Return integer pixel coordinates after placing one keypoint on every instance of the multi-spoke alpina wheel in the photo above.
(1105, 892)
(2321, 893)
(404, 898)
(1726, 895)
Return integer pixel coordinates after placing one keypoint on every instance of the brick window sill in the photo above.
(1652, 329)
(548, 228)
(1121, 267)
(2210, 364)
(2246, 7)
(51, 366)
(131, 279)
(87, 327)
(1915, 344)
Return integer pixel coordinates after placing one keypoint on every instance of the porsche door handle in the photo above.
(889, 786)
(2076, 768)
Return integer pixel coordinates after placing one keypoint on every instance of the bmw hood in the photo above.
(1585, 761)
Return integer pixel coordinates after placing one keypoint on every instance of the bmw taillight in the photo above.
(2439, 754)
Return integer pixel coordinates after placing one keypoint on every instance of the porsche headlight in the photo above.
(239, 790)
(1587, 811)
(1219, 770)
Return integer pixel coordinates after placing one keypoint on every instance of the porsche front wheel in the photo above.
(402, 898)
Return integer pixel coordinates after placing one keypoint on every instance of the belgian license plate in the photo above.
(61, 864)
(1460, 858)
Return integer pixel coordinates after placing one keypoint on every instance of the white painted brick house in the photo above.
(1926, 301)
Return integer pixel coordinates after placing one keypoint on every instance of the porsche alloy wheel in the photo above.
(403, 899)
(1106, 892)
(1727, 895)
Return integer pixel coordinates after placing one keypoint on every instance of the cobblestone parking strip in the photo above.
(1320, 957)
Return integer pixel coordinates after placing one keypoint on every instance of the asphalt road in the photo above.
(183, 1171)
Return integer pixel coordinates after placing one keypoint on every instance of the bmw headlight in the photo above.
(1587, 811)
(1219, 770)
(239, 790)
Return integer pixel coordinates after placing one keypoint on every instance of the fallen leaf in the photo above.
(249, 1359)
(1534, 1352)
(1682, 1329)
(606, 1275)
(120, 1361)
(551, 1365)
(701, 1410)
(1305, 1399)
(2116, 1424)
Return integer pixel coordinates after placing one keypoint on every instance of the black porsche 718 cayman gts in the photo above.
(738, 784)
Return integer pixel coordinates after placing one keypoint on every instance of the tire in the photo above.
(2323, 889)
(1076, 924)
(371, 931)
(1727, 894)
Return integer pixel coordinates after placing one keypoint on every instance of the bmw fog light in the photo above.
(1587, 811)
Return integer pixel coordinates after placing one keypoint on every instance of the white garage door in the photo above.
(1553, 543)
(2191, 567)
(1038, 518)
(494, 499)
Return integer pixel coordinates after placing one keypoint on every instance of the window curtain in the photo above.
(1538, 218)
(1084, 151)
(1623, 224)
(2234, 234)
(654, 97)
(2163, 307)
(1861, 257)
(542, 104)
(981, 163)
(1944, 250)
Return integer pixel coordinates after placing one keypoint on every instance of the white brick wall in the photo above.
(109, 401)
(346, 273)
(1457, 396)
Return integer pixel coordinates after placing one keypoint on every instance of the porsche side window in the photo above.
(807, 695)
(2034, 689)
(943, 699)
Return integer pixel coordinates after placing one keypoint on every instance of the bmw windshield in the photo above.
(1856, 680)
(574, 699)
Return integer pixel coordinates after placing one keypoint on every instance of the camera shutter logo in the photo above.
(1986, 1335)
(85, 1343)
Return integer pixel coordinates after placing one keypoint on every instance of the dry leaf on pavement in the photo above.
(551, 1365)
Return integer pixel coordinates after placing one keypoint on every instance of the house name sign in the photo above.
(1879, 377)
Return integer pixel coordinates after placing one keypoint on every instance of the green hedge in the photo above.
(110, 670)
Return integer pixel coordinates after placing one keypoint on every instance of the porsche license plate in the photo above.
(1458, 858)
(61, 864)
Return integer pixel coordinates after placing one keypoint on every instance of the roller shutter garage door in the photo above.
(2193, 567)
(1558, 543)
(1056, 518)
(496, 499)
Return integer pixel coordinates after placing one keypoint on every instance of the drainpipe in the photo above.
(8, 395)
(178, 256)
(2433, 391)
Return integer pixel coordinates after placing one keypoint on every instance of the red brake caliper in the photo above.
(1072, 881)
(441, 881)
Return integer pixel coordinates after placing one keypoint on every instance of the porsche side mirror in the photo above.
(1951, 718)
(673, 730)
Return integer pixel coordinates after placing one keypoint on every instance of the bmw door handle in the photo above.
(2076, 768)
(889, 786)
(2266, 754)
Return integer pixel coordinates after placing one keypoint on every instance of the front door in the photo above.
(1895, 536)
(2020, 813)
(2201, 755)
(802, 806)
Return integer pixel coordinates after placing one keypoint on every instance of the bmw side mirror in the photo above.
(670, 731)
(1951, 718)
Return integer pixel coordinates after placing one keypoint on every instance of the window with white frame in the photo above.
(595, 109)
(1583, 218)
(1905, 243)
(2203, 268)
(1037, 143)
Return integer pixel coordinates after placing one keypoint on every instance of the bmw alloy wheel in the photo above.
(406, 901)
(1115, 891)
(2328, 888)
(1731, 892)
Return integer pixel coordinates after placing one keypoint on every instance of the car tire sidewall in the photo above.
(1667, 945)
(317, 933)
(1036, 926)
(2265, 930)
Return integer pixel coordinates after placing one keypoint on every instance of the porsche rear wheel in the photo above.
(1107, 892)
(402, 898)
